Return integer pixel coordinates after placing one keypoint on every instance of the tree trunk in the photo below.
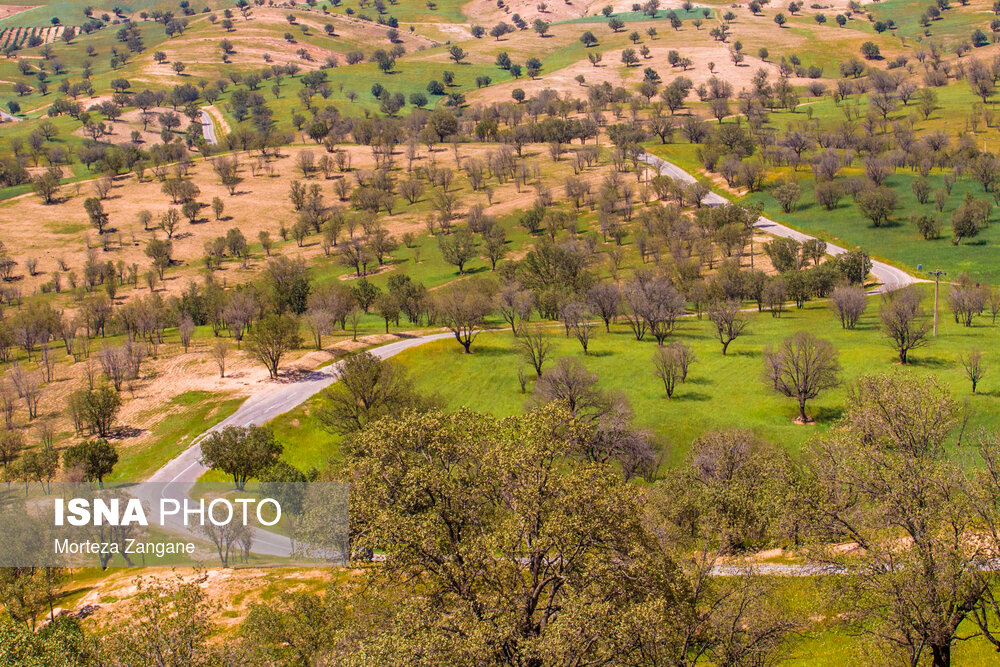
(941, 655)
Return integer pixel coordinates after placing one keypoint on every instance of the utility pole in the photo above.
(937, 273)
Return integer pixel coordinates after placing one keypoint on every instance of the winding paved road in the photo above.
(179, 475)
(8, 117)
(889, 277)
(176, 478)
(208, 128)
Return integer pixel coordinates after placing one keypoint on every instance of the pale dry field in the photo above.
(6, 11)
(230, 591)
(62, 230)
(262, 35)
(689, 42)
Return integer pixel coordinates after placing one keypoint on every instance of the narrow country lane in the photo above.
(889, 277)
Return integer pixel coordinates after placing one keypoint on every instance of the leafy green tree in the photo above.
(271, 338)
(169, 618)
(299, 628)
(96, 459)
(98, 408)
(241, 452)
(458, 248)
(368, 389)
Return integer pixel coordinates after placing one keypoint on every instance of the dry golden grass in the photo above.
(61, 231)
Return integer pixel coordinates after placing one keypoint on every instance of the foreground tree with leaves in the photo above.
(368, 389)
(885, 486)
(272, 338)
(525, 552)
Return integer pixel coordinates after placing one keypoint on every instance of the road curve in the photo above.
(8, 117)
(208, 128)
(889, 277)
(176, 478)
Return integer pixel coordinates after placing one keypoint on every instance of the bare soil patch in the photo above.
(611, 70)
(6, 11)
(62, 231)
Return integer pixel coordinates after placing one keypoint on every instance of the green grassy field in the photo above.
(722, 391)
(187, 416)
(407, 11)
(900, 241)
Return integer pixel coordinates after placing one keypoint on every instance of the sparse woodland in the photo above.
(656, 431)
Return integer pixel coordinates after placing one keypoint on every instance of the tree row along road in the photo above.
(179, 475)
(889, 277)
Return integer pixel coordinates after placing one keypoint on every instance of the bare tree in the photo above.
(666, 368)
(605, 300)
(993, 301)
(671, 364)
(850, 303)
(185, 330)
(967, 300)
(32, 394)
(801, 367)
(115, 364)
(227, 538)
(535, 346)
(729, 322)
(568, 381)
(8, 398)
(46, 362)
(319, 321)
(902, 323)
(576, 318)
(463, 307)
(354, 316)
(514, 305)
(972, 362)
(582, 330)
(219, 352)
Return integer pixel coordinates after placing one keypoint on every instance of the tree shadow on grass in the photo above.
(487, 351)
(600, 353)
(691, 396)
(121, 432)
(826, 414)
(928, 362)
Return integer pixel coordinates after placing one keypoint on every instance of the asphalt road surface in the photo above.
(176, 478)
(7, 117)
(208, 128)
(889, 277)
